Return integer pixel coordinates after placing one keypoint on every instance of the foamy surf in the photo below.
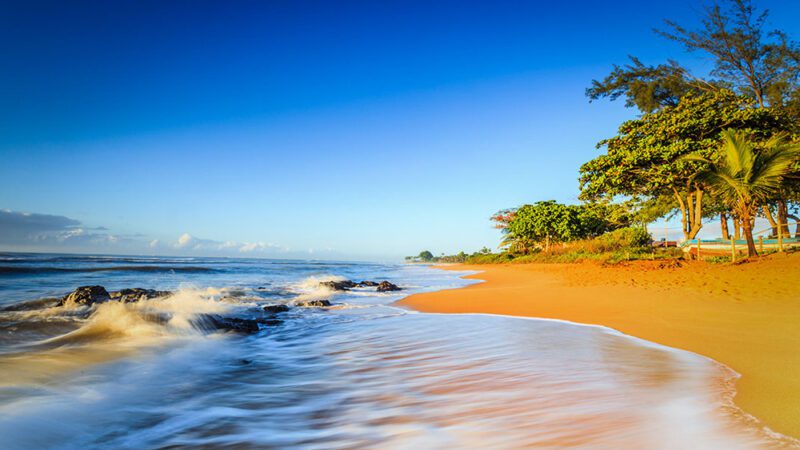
(358, 374)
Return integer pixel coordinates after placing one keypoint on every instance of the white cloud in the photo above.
(184, 241)
(188, 242)
(31, 231)
(259, 246)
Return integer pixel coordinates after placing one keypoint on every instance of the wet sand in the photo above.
(745, 316)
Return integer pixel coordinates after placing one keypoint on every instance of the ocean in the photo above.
(360, 373)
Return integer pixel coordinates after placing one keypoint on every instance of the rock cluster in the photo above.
(135, 294)
(383, 286)
(90, 295)
(314, 304)
(338, 285)
(274, 309)
(86, 296)
(236, 324)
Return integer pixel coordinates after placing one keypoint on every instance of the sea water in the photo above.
(359, 374)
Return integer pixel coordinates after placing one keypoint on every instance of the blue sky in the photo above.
(333, 130)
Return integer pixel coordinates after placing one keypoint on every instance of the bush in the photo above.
(629, 237)
(491, 258)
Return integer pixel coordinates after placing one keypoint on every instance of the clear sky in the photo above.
(332, 130)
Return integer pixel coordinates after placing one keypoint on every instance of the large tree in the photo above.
(752, 60)
(749, 58)
(744, 177)
(645, 158)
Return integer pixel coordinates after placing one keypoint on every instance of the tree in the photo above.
(425, 255)
(599, 217)
(753, 61)
(545, 222)
(648, 88)
(748, 58)
(644, 159)
(744, 177)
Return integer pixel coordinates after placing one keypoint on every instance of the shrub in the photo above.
(491, 258)
(629, 237)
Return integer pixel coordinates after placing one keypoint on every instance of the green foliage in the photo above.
(761, 64)
(425, 255)
(545, 221)
(629, 237)
(601, 217)
(649, 88)
(644, 159)
(491, 258)
(744, 177)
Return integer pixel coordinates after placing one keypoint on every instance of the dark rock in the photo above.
(386, 286)
(137, 294)
(367, 283)
(314, 304)
(338, 285)
(269, 322)
(86, 295)
(235, 324)
(274, 309)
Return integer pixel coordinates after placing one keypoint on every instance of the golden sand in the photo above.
(744, 316)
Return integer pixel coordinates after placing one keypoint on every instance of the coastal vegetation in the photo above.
(716, 145)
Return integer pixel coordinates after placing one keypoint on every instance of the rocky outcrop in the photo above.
(274, 309)
(137, 294)
(314, 304)
(86, 296)
(338, 285)
(89, 295)
(237, 325)
(385, 286)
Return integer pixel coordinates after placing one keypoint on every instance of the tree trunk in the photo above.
(695, 201)
(748, 234)
(772, 222)
(737, 228)
(783, 217)
(691, 212)
(796, 224)
(723, 223)
(684, 215)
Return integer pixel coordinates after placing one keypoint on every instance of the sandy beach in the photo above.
(745, 316)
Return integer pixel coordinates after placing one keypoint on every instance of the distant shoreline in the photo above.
(746, 317)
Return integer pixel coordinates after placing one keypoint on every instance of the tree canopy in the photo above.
(548, 222)
(645, 158)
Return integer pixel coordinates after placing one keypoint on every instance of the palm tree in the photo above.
(745, 177)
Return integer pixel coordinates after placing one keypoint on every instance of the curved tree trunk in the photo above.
(796, 223)
(771, 219)
(747, 227)
(783, 217)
